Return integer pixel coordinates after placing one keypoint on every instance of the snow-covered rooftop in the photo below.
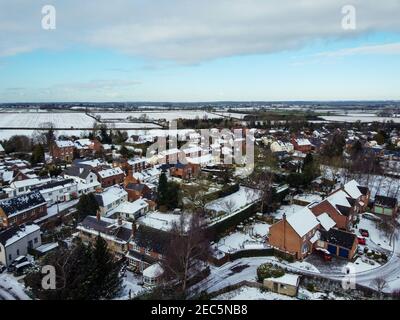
(326, 221)
(303, 221)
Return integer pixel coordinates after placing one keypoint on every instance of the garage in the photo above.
(344, 253)
(332, 249)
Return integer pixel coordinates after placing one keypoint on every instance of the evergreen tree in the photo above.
(87, 205)
(37, 154)
(162, 189)
(105, 277)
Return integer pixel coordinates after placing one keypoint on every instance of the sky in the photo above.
(190, 50)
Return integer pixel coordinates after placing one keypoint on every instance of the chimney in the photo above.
(134, 229)
(98, 216)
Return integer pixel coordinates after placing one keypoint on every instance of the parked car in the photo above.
(364, 232)
(362, 241)
(325, 254)
(18, 260)
(22, 267)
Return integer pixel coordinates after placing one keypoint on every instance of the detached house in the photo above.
(86, 179)
(17, 240)
(62, 150)
(295, 234)
(22, 209)
(110, 199)
(302, 145)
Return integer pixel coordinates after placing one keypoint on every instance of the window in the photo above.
(36, 240)
(17, 252)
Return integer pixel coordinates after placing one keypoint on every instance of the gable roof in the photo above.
(22, 203)
(81, 172)
(326, 221)
(385, 201)
(303, 221)
(352, 189)
(16, 233)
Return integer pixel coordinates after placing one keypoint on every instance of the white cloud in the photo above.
(188, 31)
(389, 48)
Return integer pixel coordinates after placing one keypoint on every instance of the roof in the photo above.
(110, 195)
(385, 201)
(153, 239)
(77, 172)
(303, 221)
(54, 184)
(108, 228)
(154, 271)
(64, 143)
(22, 203)
(110, 172)
(338, 237)
(131, 207)
(326, 221)
(16, 233)
(352, 189)
(287, 279)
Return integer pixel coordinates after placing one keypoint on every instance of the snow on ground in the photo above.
(11, 288)
(158, 220)
(348, 118)
(308, 197)
(157, 115)
(250, 293)
(235, 201)
(377, 237)
(131, 284)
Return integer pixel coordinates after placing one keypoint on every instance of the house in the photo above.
(302, 145)
(138, 164)
(387, 206)
(185, 171)
(338, 242)
(85, 178)
(360, 194)
(152, 275)
(62, 150)
(287, 284)
(87, 147)
(148, 245)
(15, 241)
(294, 234)
(130, 210)
(58, 191)
(138, 190)
(116, 232)
(339, 206)
(110, 199)
(23, 186)
(110, 177)
(22, 209)
(280, 146)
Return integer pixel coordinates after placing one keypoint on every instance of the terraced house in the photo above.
(22, 209)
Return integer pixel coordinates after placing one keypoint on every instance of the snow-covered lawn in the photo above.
(11, 288)
(131, 286)
(250, 293)
(157, 115)
(235, 201)
(161, 221)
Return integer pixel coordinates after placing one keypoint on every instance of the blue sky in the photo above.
(177, 58)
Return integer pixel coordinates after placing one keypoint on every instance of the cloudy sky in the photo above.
(191, 50)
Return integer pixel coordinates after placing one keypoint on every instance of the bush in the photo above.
(268, 270)
(310, 287)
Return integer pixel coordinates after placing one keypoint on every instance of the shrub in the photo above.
(310, 287)
(268, 270)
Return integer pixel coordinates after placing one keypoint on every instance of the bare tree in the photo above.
(186, 253)
(379, 284)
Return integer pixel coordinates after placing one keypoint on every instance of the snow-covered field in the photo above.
(369, 118)
(157, 115)
(36, 120)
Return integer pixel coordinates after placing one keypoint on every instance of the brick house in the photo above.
(137, 191)
(22, 209)
(147, 247)
(185, 171)
(87, 147)
(110, 177)
(339, 243)
(63, 150)
(295, 234)
(360, 194)
(302, 145)
(116, 232)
